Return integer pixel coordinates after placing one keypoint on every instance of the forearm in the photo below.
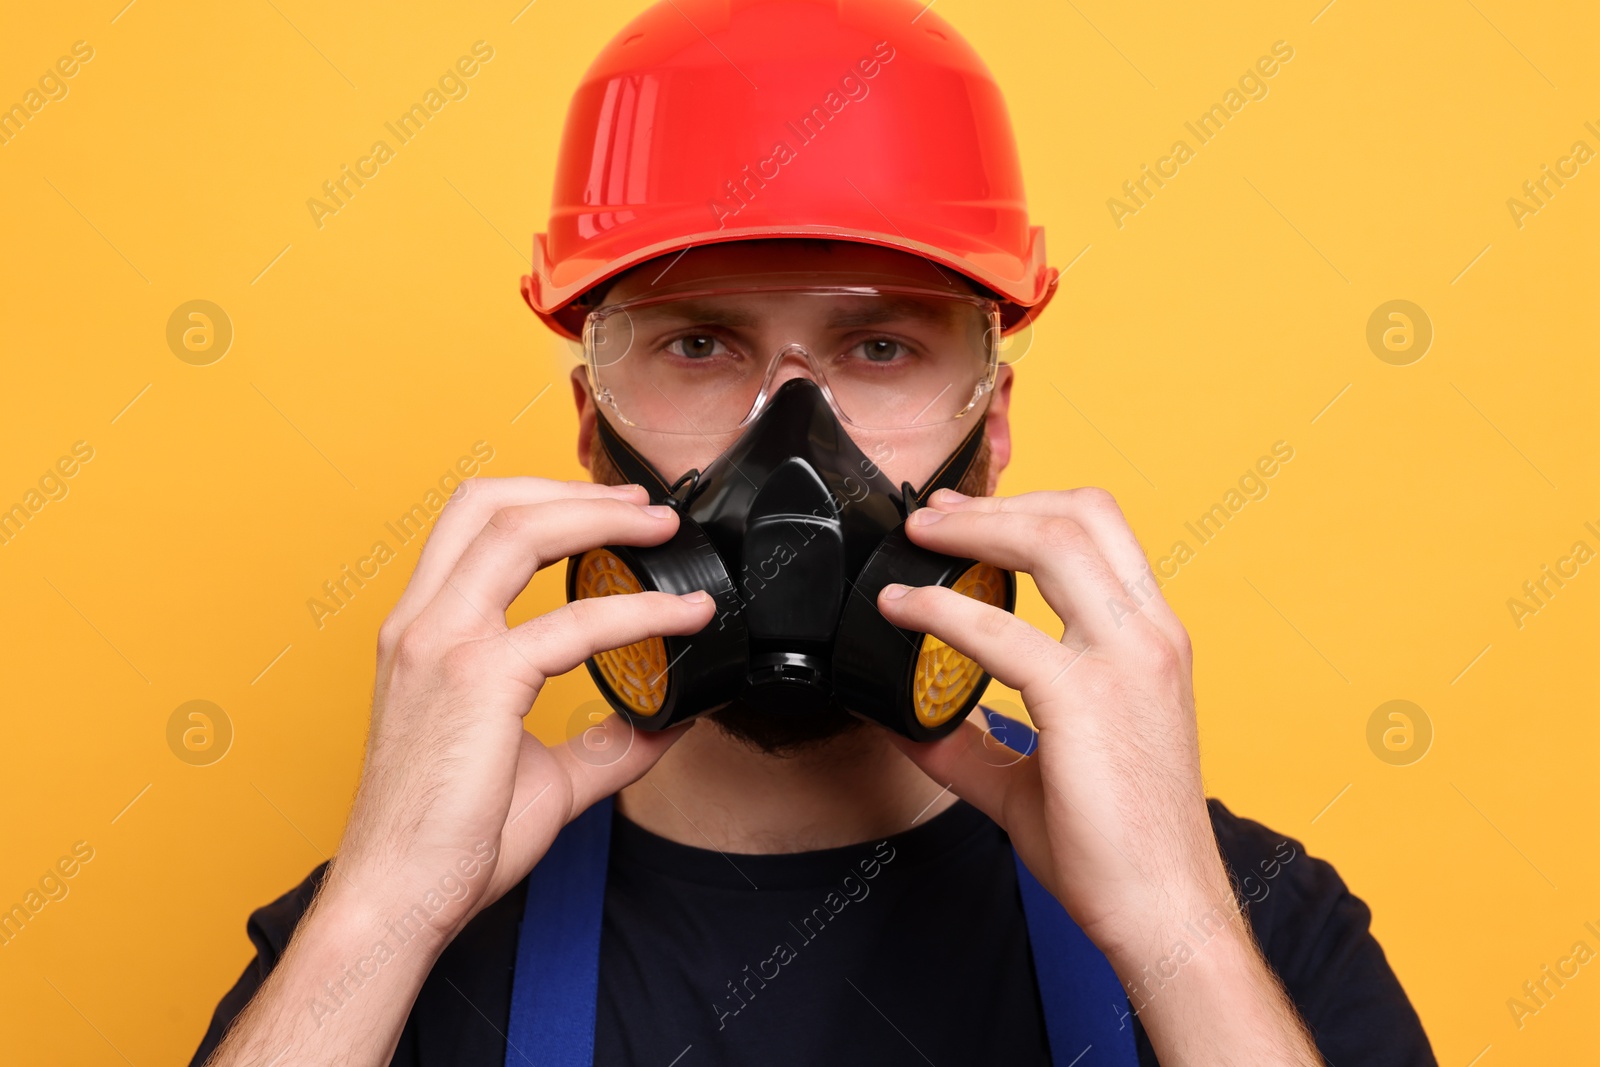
(1206, 996)
(343, 989)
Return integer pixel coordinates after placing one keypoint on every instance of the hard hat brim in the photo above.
(1023, 286)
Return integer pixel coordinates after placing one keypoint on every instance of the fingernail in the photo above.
(926, 516)
(895, 590)
(950, 496)
(626, 490)
(699, 596)
(657, 511)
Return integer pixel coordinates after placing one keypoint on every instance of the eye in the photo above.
(697, 346)
(880, 350)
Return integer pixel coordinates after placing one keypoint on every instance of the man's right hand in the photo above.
(449, 765)
(451, 775)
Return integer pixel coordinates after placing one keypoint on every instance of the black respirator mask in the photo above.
(793, 531)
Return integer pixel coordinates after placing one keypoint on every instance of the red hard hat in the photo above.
(722, 120)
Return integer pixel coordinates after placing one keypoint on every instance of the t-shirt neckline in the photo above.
(927, 842)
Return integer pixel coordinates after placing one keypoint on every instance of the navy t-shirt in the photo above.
(912, 950)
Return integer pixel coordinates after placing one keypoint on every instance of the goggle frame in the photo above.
(595, 319)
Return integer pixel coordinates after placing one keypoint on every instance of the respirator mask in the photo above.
(793, 529)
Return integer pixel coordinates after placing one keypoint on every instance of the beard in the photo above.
(763, 729)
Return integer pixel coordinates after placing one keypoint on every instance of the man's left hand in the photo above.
(1109, 813)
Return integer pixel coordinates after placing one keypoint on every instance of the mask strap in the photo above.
(637, 469)
(634, 467)
(950, 474)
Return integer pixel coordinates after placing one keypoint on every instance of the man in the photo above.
(797, 225)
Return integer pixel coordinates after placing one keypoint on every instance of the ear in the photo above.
(997, 425)
(586, 416)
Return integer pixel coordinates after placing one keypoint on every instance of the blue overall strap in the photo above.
(556, 983)
(1085, 1008)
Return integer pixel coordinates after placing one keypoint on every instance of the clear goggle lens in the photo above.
(705, 362)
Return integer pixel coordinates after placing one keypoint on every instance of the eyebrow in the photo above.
(709, 313)
(875, 312)
(888, 309)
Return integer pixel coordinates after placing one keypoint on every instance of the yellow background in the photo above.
(1224, 316)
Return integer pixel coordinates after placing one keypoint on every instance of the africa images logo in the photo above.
(452, 86)
(851, 889)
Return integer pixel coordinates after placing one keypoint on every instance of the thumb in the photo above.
(557, 784)
(609, 755)
(998, 781)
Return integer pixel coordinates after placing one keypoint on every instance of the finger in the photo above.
(610, 755)
(1018, 795)
(1098, 513)
(958, 761)
(557, 784)
(556, 642)
(1073, 576)
(518, 540)
(1006, 788)
(465, 514)
(1015, 653)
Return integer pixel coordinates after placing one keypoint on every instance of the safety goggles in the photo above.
(705, 361)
